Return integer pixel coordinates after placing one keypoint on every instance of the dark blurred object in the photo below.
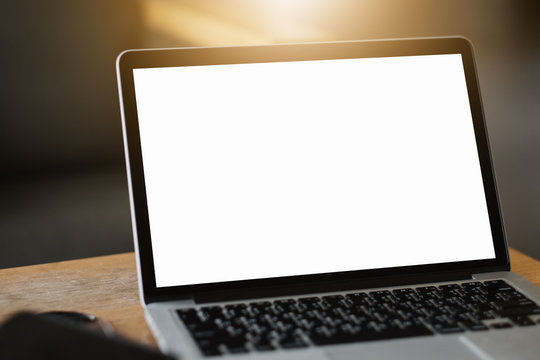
(28, 336)
(79, 319)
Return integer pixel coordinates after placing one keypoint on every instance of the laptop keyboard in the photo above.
(359, 316)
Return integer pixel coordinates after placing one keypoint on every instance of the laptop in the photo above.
(319, 201)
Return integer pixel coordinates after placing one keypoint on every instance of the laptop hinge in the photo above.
(344, 285)
(160, 298)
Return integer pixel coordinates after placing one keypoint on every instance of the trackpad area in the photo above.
(517, 343)
(439, 347)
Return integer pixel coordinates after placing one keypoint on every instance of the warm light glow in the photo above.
(193, 26)
(294, 20)
(217, 23)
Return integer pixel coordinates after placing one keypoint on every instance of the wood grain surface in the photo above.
(106, 286)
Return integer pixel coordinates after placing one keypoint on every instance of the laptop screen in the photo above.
(275, 169)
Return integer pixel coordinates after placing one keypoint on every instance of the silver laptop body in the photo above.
(319, 201)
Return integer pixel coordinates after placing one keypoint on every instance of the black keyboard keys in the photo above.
(356, 317)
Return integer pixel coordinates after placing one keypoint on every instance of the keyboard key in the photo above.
(498, 285)
(474, 284)
(516, 311)
(309, 300)
(237, 349)
(475, 326)
(211, 351)
(212, 311)
(285, 305)
(426, 289)
(367, 334)
(291, 342)
(263, 344)
(505, 304)
(447, 328)
(501, 325)
(404, 295)
(321, 337)
(333, 300)
(522, 320)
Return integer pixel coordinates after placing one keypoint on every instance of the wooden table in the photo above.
(106, 286)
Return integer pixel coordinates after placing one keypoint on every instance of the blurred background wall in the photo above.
(62, 187)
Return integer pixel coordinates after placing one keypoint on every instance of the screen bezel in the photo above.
(133, 59)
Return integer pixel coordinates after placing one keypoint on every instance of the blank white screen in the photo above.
(277, 169)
